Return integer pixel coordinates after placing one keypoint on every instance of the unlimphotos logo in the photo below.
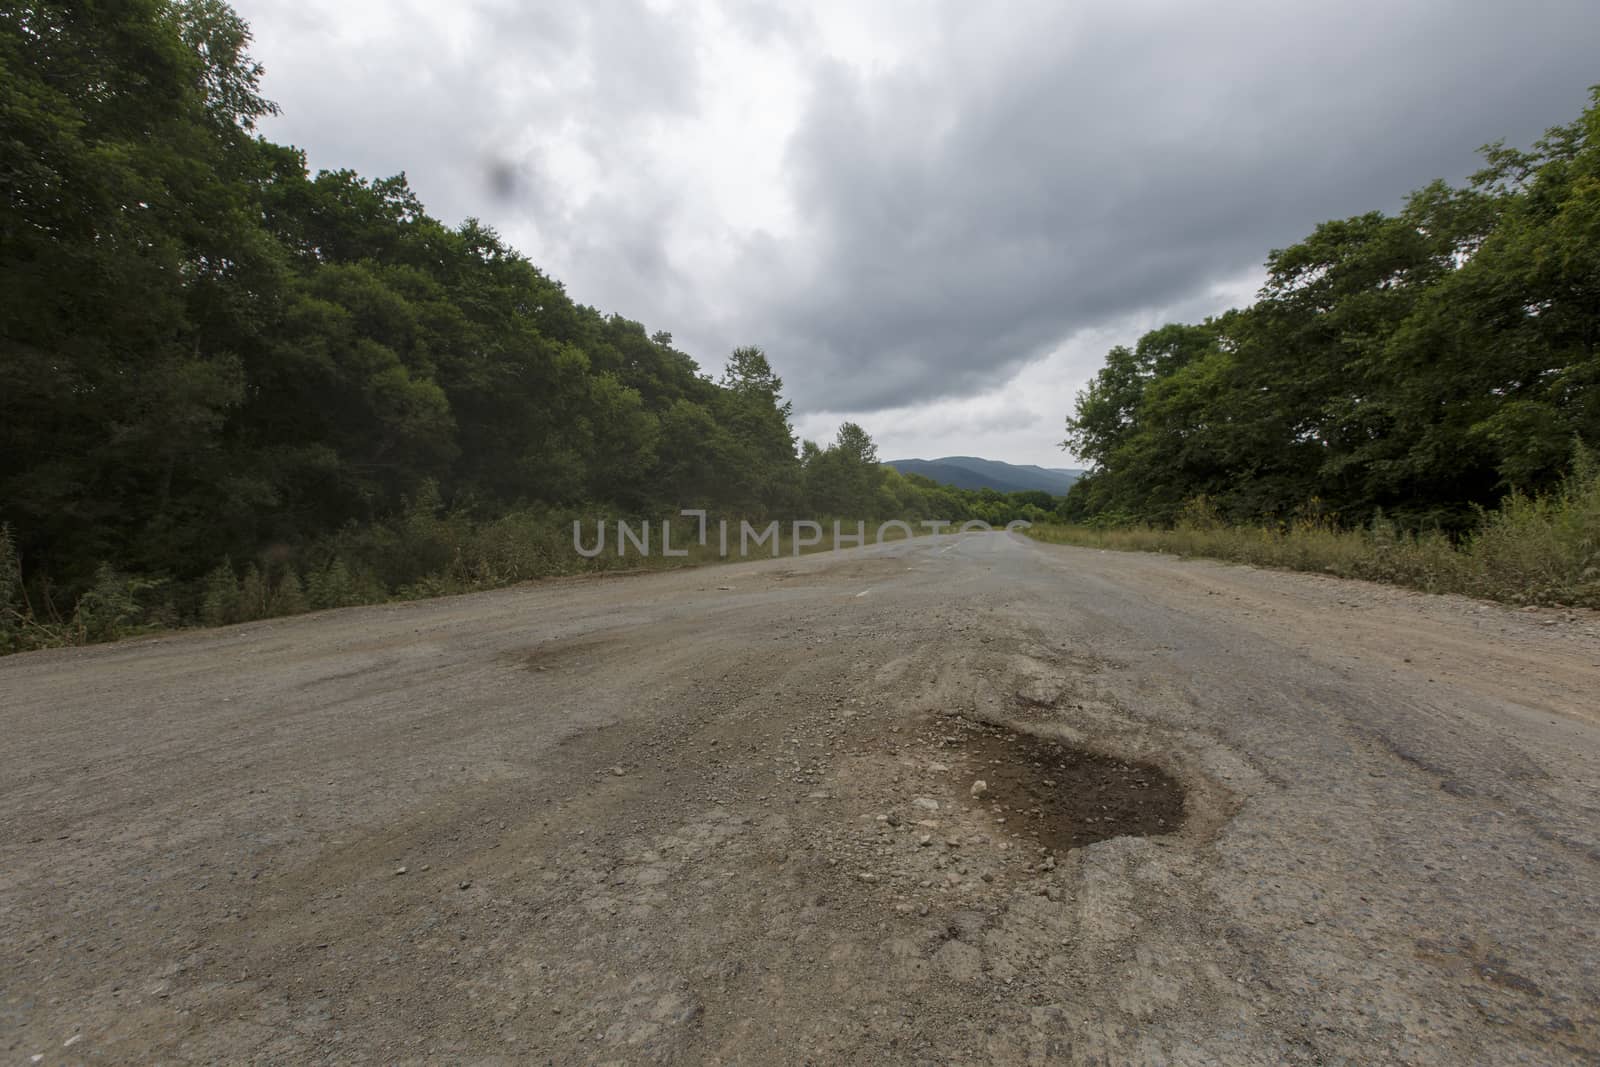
(746, 540)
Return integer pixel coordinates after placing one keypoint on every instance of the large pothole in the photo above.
(1064, 797)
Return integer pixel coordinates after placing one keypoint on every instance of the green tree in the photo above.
(1424, 363)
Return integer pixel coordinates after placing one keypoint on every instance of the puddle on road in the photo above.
(1065, 797)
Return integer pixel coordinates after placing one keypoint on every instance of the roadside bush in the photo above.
(14, 616)
(335, 586)
(289, 597)
(111, 607)
(252, 602)
(219, 597)
(1530, 550)
(1545, 549)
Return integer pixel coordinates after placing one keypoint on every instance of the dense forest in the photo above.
(232, 388)
(1424, 364)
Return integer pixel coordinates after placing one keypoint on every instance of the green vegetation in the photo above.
(1426, 364)
(231, 389)
(1541, 549)
(1424, 379)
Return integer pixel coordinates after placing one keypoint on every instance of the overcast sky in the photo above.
(934, 216)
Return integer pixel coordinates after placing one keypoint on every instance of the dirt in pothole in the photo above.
(1065, 797)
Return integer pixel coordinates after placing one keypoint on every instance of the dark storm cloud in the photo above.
(974, 210)
(485, 106)
(455, 109)
(1006, 177)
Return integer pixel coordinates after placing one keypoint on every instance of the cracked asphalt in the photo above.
(729, 815)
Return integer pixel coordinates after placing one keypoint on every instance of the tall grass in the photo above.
(1541, 549)
(427, 551)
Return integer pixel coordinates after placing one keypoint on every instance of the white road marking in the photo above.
(863, 593)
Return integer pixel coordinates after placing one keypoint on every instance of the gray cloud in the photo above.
(988, 182)
(979, 207)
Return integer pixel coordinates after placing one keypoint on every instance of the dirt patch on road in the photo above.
(585, 651)
(1063, 796)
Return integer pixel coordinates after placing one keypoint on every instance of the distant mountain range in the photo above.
(970, 472)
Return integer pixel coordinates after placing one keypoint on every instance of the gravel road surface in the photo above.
(971, 800)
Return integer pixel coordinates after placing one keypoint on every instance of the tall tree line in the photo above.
(1424, 363)
(205, 349)
(232, 388)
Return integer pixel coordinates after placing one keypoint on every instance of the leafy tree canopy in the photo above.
(1425, 363)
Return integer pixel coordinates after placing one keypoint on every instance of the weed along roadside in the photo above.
(1541, 549)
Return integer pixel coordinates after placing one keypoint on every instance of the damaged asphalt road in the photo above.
(956, 800)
